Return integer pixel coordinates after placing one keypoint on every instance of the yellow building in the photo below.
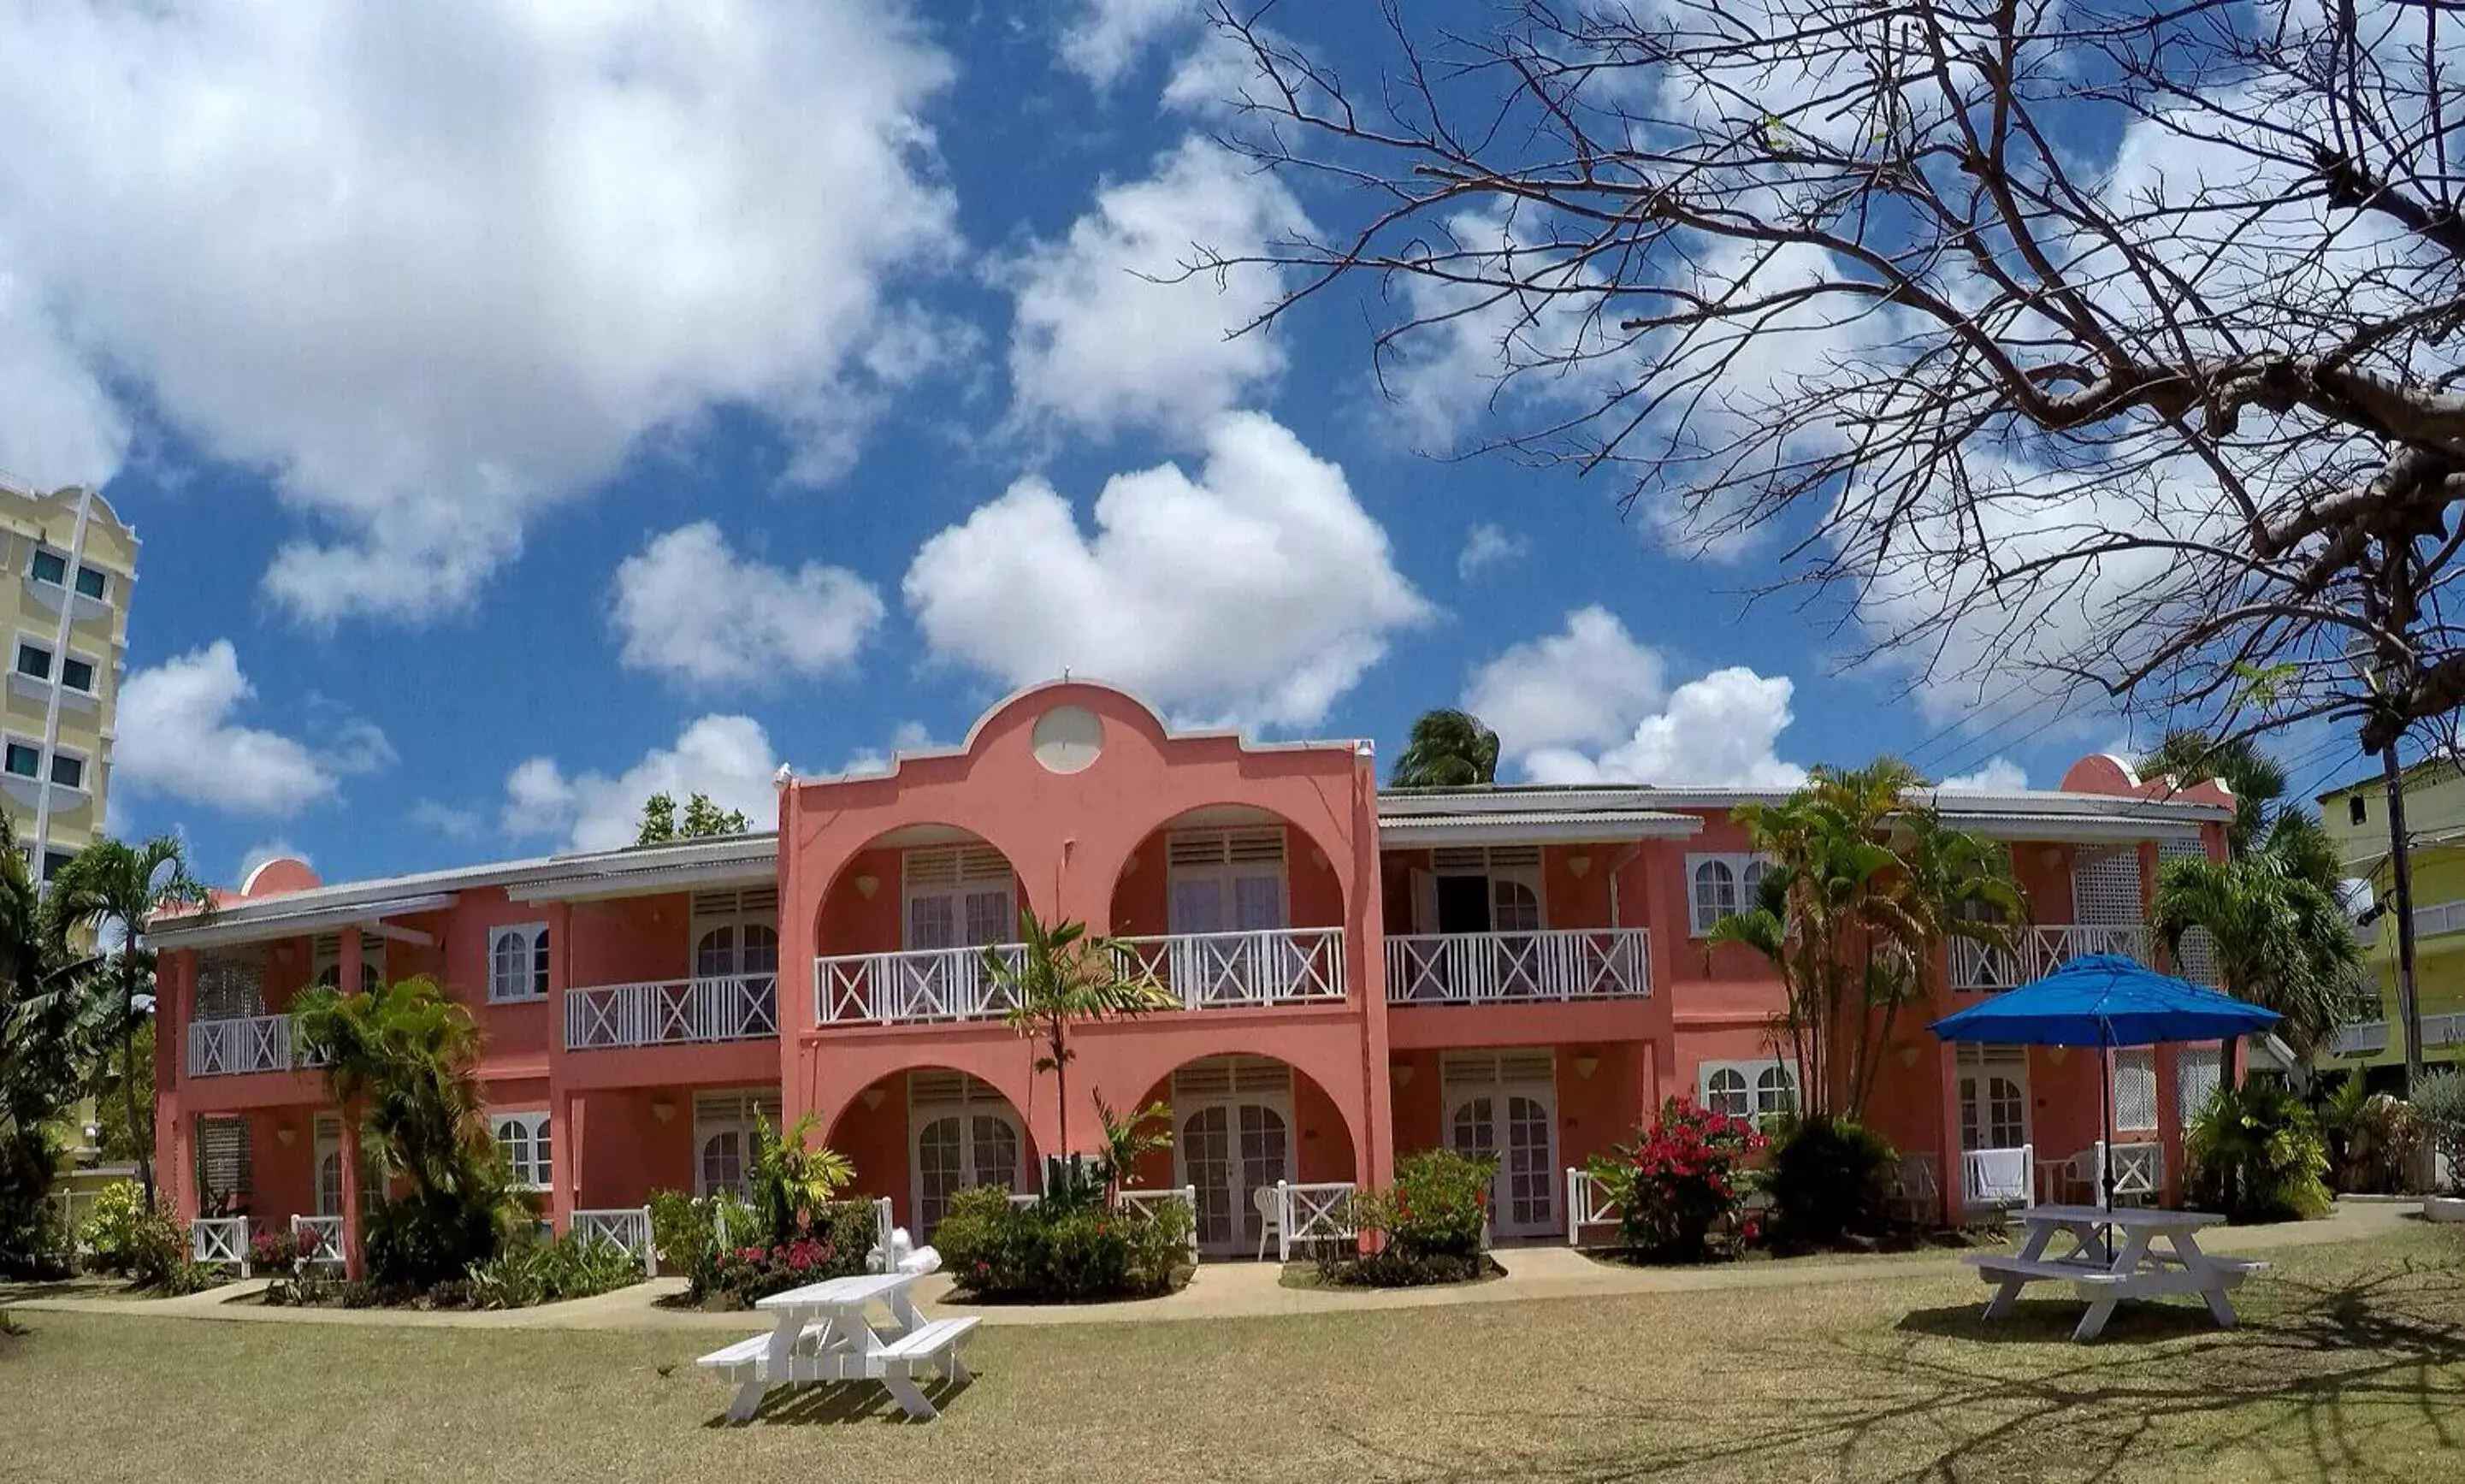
(2356, 817)
(71, 563)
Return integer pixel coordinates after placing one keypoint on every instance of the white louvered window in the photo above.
(223, 1175)
(735, 933)
(2135, 1088)
(525, 1139)
(1719, 885)
(1510, 877)
(2197, 962)
(2198, 1072)
(230, 985)
(517, 963)
(959, 896)
(1227, 881)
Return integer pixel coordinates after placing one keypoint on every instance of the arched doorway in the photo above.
(1994, 1097)
(1234, 1134)
(902, 930)
(961, 1133)
(1503, 1105)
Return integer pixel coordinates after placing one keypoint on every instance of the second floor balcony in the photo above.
(2037, 952)
(1301, 965)
(235, 1045)
(1517, 967)
(671, 1012)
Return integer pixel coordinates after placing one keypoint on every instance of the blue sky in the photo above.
(520, 412)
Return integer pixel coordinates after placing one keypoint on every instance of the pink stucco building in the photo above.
(1519, 969)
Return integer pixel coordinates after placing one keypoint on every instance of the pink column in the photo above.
(346, 967)
(565, 1122)
(1948, 1139)
(1364, 912)
(174, 1006)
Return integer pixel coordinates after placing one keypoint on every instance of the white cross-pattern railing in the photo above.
(1306, 1213)
(1999, 1176)
(2139, 1172)
(1289, 966)
(1490, 968)
(319, 1238)
(668, 1012)
(1590, 1203)
(627, 1227)
(70, 1210)
(924, 983)
(220, 1240)
(2037, 952)
(252, 1043)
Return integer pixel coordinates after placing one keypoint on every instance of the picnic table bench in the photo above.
(824, 1332)
(2104, 1272)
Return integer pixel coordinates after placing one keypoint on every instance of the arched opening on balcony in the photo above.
(902, 930)
(922, 1134)
(1232, 904)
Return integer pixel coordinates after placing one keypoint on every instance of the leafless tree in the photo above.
(2110, 341)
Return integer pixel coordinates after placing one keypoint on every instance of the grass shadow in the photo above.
(2052, 1321)
(839, 1403)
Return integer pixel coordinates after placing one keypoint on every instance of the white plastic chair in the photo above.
(1269, 1203)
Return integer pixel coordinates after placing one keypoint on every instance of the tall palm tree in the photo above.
(42, 1034)
(1059, 976)
(112, 885)
(2280, 940)
(1448, 749)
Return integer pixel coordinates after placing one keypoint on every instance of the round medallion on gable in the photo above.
(1067, 739)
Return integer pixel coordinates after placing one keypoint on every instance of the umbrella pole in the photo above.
(2105, 1146)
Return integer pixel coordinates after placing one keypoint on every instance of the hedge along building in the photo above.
(1520, 970)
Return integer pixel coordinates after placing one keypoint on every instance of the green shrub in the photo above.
(149, 1247)
(551, 1270)
(1424, 1228)
(2440, 1104)
(1679, 1187)
(1830, 1177)
(2254, 1154)
(109, 1233)
(997, 1250)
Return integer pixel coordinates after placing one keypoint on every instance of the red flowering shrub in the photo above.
(1680, 1184)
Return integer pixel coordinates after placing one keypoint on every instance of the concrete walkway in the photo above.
(1222, 1290)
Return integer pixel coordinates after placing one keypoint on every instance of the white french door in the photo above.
(960, 1148)
(1995, 1108)
(329, 1164)
(1517, 1128)
(1228, 1152)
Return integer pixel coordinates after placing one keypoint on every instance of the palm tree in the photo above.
(399, 1059)
(1449, 749)
(42, 1034)
(2262, 822)
(1864, 890)
(2281, 940)
(1059, 976)
(112, 885)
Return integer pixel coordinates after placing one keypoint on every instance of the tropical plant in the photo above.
(995, 1250)
(1830, 1178)
(702, 820)
(113, 886)
(1130, 1140)
(45, 1021)
(1448, 749)
(2277, 940)
(2440, 1100)
(1864, 888)
(547, 1271)
(1680, 1184)
(1060, 976)
(2254, 1154)
(400, 1057)
(788, 1180)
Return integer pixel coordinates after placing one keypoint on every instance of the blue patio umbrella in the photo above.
(2104, 1000)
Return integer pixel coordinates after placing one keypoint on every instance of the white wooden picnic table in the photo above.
(2113, 1257)
(824, 1332)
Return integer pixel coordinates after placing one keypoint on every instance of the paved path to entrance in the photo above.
(1221, 1290)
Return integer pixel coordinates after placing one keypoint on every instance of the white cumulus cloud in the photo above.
(1105, 38)
(1108, 335)
(178, 736)
(1487, 545)
(1590, 704)
(1257, 590)
(690, 608)
(433, 268)
(1998, 773)
(727, 757)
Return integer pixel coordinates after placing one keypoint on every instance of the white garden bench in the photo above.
(934, 1345)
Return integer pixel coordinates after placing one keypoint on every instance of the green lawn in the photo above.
(2351, 1366)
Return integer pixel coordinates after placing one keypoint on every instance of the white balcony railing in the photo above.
(926, 984)
(221, 1240)
(1494, 969)
(1999, 1176)
(626, 1227)
(1590, 1203)
(736, 1008)
(2371, 1037)
(319, 1238)
(253, 1043)
(2039, 952)
(1288, 965)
